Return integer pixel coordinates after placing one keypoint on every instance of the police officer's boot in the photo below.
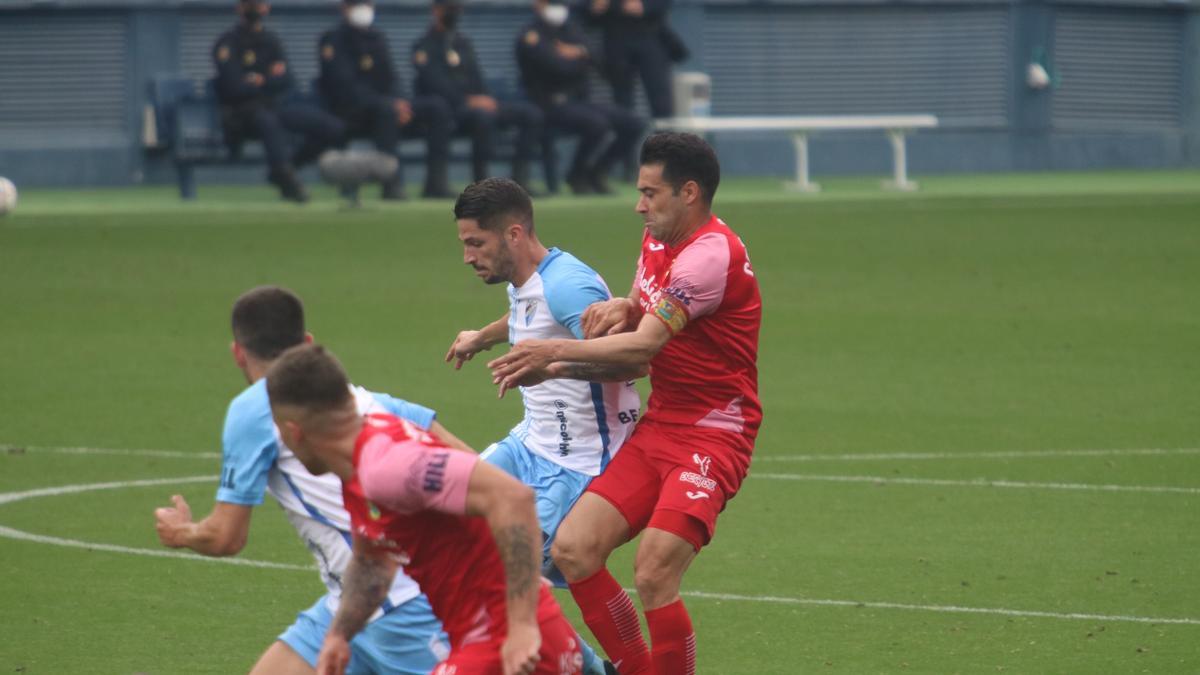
(599, 181)
(520, 176)
(579, 182)
(284, 177)
(393, 189)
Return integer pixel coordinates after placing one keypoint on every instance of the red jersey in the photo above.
(705, 291)
(409, 494)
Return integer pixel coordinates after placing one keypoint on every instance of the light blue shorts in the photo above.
(408, 639)
(556, 489)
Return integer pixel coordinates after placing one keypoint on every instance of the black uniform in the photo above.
(447, 68)
(560, 86)
(639, 46)
(262, 111)
(360, 85)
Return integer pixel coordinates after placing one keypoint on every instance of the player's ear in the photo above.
(691, 192)
(308, 338)
(513, 232)
(239, 354)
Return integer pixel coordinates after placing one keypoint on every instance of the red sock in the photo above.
(610, 614)
(673, 640)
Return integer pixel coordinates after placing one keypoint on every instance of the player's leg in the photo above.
(662, 559)
(281, 659)
(616, 506)
(295, 651)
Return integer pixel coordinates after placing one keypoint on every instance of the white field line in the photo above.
(9, 497)
(978, 482)
(1010, 454)
(174, 454)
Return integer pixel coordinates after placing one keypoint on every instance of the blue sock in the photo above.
(592, 663)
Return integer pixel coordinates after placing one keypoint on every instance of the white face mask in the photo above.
(555, 15)
(361, 16)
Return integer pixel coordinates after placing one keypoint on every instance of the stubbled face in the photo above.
(486, 252)
(661, 208)
(296, 441)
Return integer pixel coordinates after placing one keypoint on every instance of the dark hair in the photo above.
(309, 377)
(267, 320)
(494, 203)
(684, 157)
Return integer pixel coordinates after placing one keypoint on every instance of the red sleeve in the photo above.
(697, 283)
(408, 476)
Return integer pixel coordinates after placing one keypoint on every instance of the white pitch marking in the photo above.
(175, 454)
(954, 609)
(1003, 454)
(6, 498)
(9, 497)
(979, 482)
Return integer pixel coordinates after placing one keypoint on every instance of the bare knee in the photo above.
(657, 581)
(576, 557)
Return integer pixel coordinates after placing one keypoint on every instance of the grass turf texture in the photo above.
(983, 314)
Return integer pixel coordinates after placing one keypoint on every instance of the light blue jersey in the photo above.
(256, 461)
(575, 424)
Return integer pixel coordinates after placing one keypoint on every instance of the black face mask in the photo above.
(450, 17)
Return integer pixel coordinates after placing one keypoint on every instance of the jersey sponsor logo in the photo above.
(373, 510)
(704, 462)
(435, 472)
(656, 247)
(680, 294)
(696, 495)
(564, 436)
(699, 481)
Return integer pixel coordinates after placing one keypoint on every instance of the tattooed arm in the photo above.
(596, 372)
(365, 585)
(509, 509)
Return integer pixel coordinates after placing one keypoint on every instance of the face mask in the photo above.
(450, 18)
(361, 16)
(555, 15)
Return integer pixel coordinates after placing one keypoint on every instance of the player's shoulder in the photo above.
(564, 277)
(560, 263)
(249, 413)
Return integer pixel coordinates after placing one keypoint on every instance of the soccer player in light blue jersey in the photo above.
(403, 636)
(572, 427)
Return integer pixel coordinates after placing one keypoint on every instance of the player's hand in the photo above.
(519, 653)
(527, 359)
(608, 318)
(482, 102)
(404, 113)
(465, 347)
(170, 522)
(335, 654)
(278, 68)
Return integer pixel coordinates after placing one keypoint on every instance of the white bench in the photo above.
(896, 126)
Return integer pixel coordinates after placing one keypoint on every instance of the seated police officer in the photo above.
(360, 85)
(252, 82)
(554, 66)
(447, 68)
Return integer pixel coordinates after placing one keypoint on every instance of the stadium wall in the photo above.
(74, 74)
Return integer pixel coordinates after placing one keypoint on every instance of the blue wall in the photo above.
(73, 77)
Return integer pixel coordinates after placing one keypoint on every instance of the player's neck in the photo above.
(528, 264)
(694, 222)
(342, 440)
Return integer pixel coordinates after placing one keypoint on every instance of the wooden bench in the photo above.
(896, 126)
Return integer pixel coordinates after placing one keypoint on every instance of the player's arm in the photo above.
(508, 506)
(595, 372)
(222, 533)
(533, 358)
(468, 343)
(364, 587)
(448, 439)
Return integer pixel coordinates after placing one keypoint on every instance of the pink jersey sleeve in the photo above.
(697, 282)
(408, 476)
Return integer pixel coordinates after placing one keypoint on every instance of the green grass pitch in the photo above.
(979, 455)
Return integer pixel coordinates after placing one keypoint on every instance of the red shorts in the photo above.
(675, 478)
(560, 647)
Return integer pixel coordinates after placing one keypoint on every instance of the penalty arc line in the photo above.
(10, 497)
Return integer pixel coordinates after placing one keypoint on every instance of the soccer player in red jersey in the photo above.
(693, 315)
(464, 530)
